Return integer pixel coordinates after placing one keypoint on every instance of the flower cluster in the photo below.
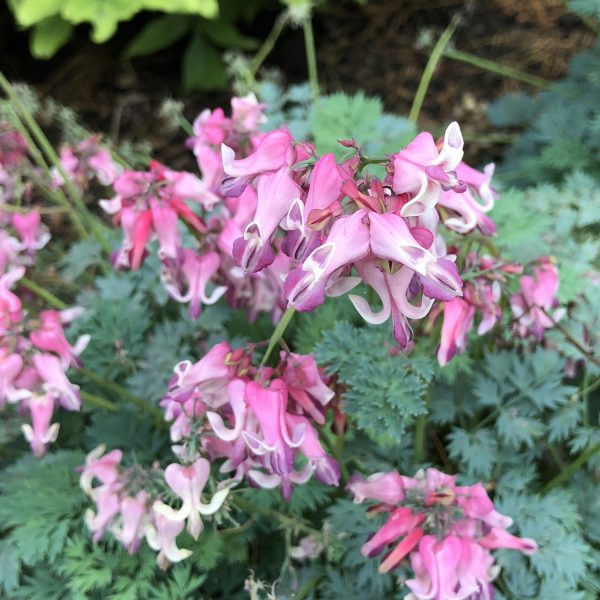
(482, 294)
(34, 351)
(128, 502)
(87, 161)
(446, 530)
(260, 420)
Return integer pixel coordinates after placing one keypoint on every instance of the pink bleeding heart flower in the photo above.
(247, 112)
(209, 377)
(383, 487)
(162, 537)
(347, 243)
(187, 483)
(275, 193)
(55, 381)
(165, 222)
(392, 239)
(196, 272)
(458, 321)
(10, 304)
(11, 366)
(326, 468)
(305, 385)
(500, 538)
(50, 337)
(41, 432)
(536, 299)
(275, 442)
(32, 233)
(101, 466)
(108, 504)
(273, 152)
(103, 166)
(236, 391)
(422, 172)
(130, 530)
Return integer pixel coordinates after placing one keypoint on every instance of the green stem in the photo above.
(420, 438)
(434, 59)
(311, 55)
(53, 158)
(56, 194)
(566, 473)
(287, 522)
(42, 293)
(125, 394)
(495, 67)
(587, 389)
(307, 588)
(269, 43)
(278, 333)
(98, 401)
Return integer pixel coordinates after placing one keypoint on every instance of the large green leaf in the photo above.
(103, 15)
(29, 12)
(202, 68)
(48, 36)
(208, 9)
(160, 33)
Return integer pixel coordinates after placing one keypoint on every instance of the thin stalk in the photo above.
(269, 43)
(307, 588)
(47, 149)
(586, 390)
(566, 473)
(434, 59)
(287, 522)
(124, 393)
(278, 333)
(575, 343)
(98, 401)
(311, 55)
(420, 438)
(44, 294)
(56, 194)
(495, 67)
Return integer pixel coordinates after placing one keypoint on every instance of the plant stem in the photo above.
(566, 473)
(42, 293)
(125, 394)
(311, 55)
(278, 333)
(287, 522)
(434, 59)
(269, 43)
(575, 343)
(420, 438)
(307, 588)
(98, 401)
(495, 67)
(56, 194)
(47, 149)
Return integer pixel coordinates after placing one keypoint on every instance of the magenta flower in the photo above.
(422, 172)
(392, 239)
(273, 152)
(446, 530)
(275, 192)
(347, 242)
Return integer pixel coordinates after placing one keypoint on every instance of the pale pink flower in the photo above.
(41, 432)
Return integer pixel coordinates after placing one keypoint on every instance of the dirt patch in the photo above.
(380, 47)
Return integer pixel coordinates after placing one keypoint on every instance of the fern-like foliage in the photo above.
(385, 390)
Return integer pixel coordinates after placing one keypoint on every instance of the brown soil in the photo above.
(378, 47)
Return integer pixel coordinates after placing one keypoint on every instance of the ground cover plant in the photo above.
(332, 361)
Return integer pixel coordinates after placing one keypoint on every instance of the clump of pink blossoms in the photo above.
(35, 354)
(446, 531)
(128, 502)
(256, 421)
